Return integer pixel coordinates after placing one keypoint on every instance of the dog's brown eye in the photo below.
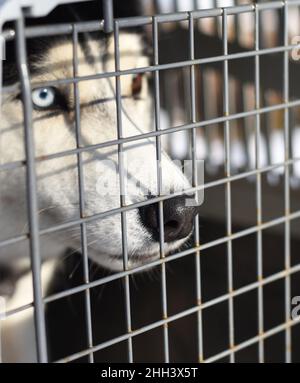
(136, 85)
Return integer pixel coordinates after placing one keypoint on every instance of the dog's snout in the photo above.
(178, 218)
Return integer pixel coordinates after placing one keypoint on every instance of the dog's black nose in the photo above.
(178, 218)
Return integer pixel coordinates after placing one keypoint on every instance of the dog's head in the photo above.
(61, 123)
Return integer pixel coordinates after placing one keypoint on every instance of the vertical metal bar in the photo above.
(157, 6)
(159, 187)
(210, 130)
(194, 184)
(216, 20)
(83, 230)
(108, 15)
(287, 252)
(2, 318)
(176, 5)
(228, 184)
(258, 191)
(32, 200)
(122, 190)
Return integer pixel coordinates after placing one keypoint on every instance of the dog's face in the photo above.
(55, 118)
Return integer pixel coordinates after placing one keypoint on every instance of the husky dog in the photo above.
(54, 125)
(67, 117)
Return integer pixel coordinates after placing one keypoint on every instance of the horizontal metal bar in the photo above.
(240, 234)
(12, 165)
(175, 65)
(273, 5)
(132, 334)
(202, 13)
(213, 121)
(90, 26)
(137, 21)
(163, 198)
(56, 29)
(191, 311)
(252, 341)
(272, 278)
(170, 258)
(13, 240)
(10, 89)
(136, 205)
(18, 310)
(130, 22)
(214, 358)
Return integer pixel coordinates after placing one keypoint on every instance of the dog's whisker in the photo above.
(47, 209)
(75, 269)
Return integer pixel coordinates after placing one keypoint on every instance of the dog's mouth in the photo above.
(144, 256)
(134, 261)
(141, 254)
(139, 257)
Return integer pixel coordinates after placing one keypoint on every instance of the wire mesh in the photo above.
(191, 128)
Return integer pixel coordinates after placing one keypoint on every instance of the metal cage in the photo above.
(221, 54)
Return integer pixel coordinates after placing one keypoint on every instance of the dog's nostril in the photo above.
(173, 230)
(171, 224)
(178, 218)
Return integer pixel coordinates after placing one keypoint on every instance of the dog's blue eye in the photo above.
(43, 98)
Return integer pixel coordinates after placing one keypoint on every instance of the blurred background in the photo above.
(67, 331)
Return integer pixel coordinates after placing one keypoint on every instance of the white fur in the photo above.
(17, 339)
(58, 178)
